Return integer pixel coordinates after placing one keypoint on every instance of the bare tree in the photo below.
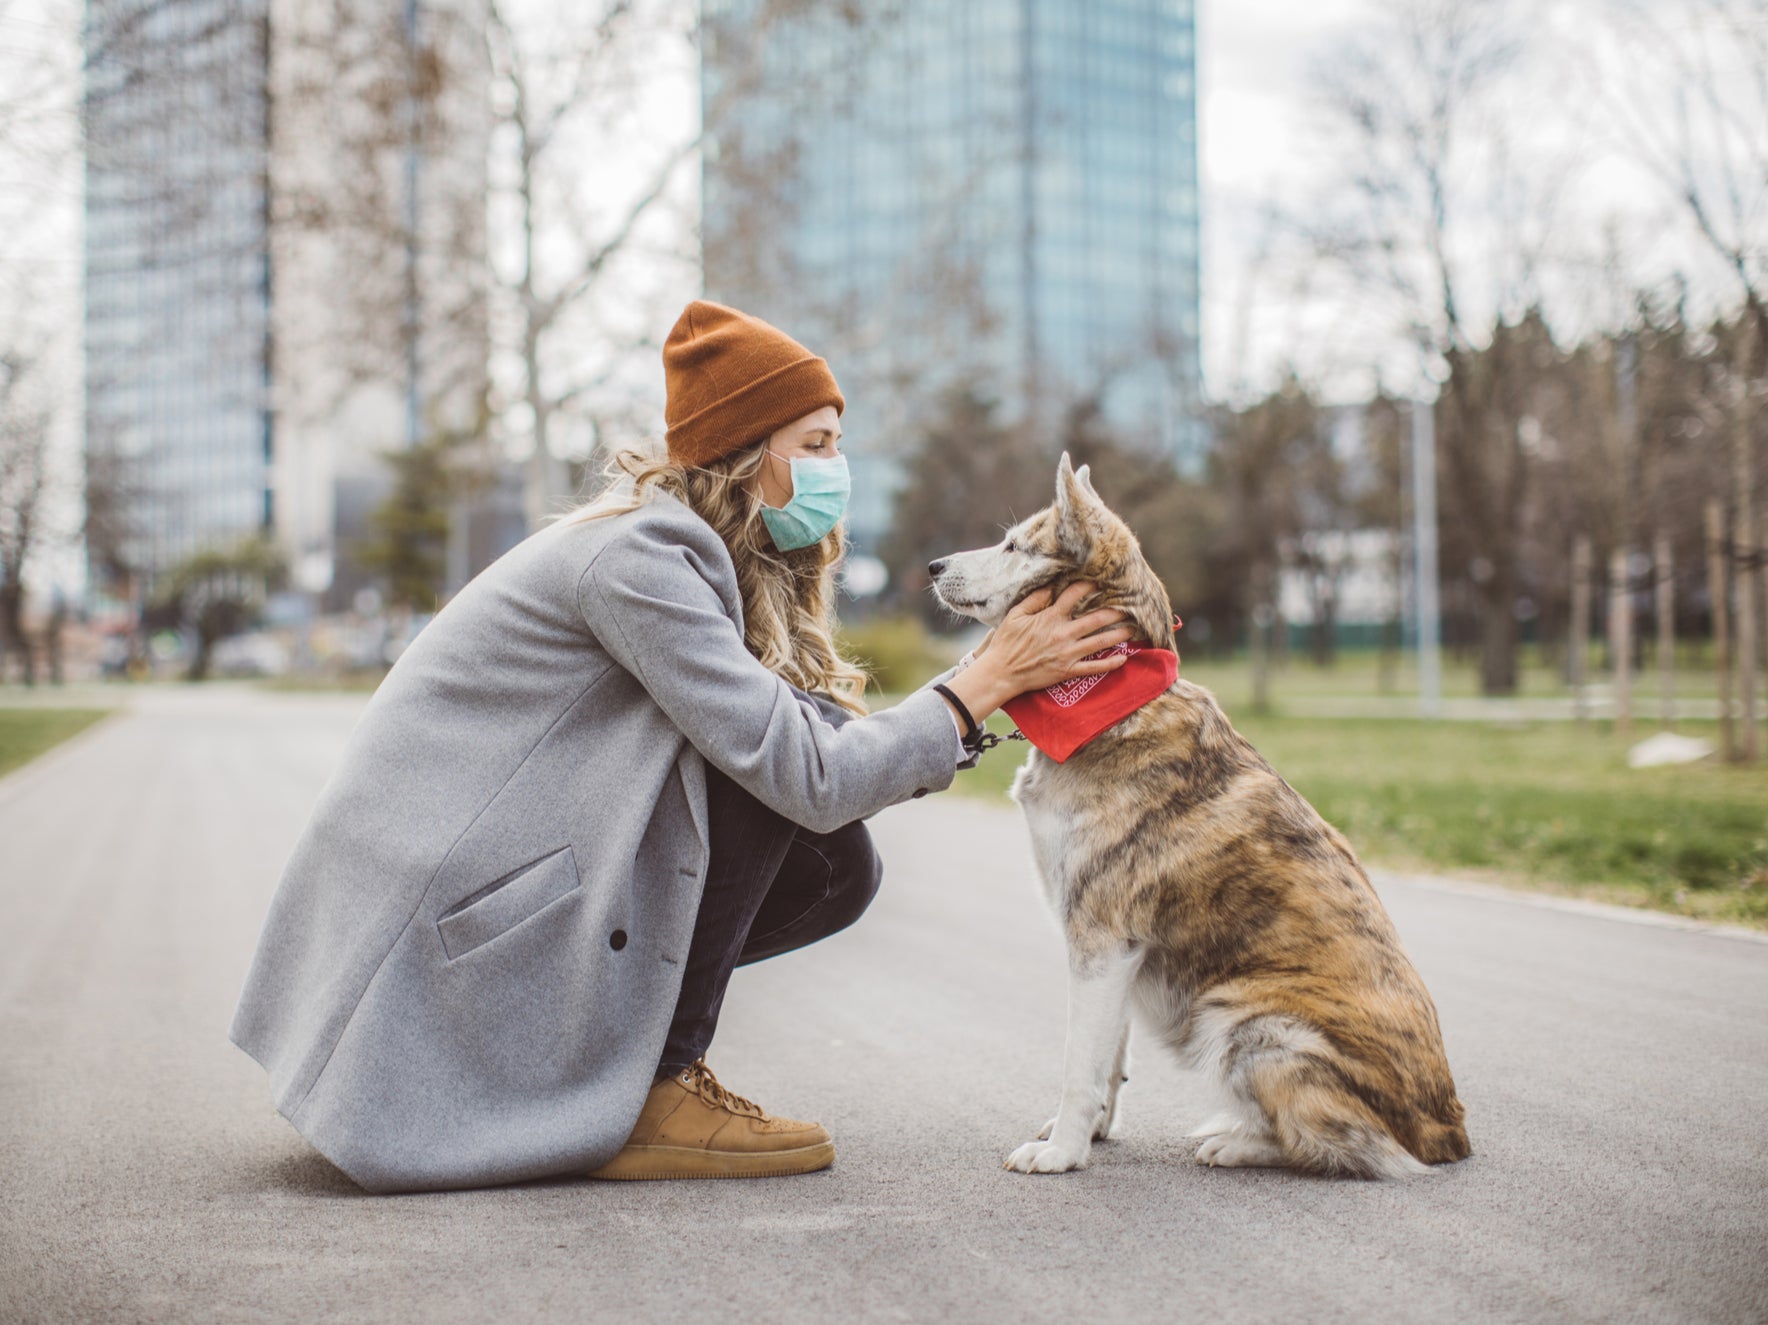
(380, 175)
(380, 237)
(548, 80)
(1441, 210)
(1258, 467)
(40, 73)
(1686, 91)
(24, 477)
(594, 189)
(1685, 88)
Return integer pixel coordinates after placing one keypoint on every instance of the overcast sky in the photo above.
(1256, 60)
(1253, 66)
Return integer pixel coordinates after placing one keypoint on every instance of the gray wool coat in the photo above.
(472, 957)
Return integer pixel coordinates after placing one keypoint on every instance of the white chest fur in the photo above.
(1051, 816)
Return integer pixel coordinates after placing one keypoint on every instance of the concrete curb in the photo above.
(1573, 905)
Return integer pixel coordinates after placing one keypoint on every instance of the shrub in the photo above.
(899, 651)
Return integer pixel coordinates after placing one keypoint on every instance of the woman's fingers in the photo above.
(1104, 639)
(1103, 616)
(1098, 648)
(1072, 595)
(1098, 665)
(1041, 652)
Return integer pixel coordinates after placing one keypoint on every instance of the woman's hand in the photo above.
(1039, 643)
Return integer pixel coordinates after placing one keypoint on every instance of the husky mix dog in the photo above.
(1194, 885)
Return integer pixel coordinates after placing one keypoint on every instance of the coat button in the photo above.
(919, 792)
(617, 940)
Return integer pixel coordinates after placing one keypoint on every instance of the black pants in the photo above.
(771, 886)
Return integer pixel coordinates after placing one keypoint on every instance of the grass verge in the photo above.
(1548, 805)
(26, 733)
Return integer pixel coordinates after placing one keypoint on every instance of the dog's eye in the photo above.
(1011, 546)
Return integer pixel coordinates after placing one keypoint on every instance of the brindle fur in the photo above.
(1256, 947)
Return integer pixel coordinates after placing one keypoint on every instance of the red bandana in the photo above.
(1066, 716)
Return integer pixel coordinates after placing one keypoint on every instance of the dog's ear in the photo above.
(1073, 486)
(1072, 495)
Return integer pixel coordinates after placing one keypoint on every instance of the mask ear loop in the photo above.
(787, 463)
(784, 461)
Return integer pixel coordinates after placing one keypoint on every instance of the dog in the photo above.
(1195, 887)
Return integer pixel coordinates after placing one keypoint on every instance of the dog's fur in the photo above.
(1193, 883)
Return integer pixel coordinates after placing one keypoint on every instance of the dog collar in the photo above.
(1062, 718)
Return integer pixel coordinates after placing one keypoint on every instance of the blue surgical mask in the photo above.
(819, 500)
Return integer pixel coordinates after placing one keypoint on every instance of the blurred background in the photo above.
(1422, 342)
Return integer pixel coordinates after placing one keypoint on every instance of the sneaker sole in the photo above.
(641, 1163)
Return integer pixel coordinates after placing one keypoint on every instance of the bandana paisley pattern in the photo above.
(1062, 718)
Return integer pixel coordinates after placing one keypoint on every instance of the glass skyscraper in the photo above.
(998, 191)
(285, 277)
(177, 271)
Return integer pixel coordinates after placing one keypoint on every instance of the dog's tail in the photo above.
(1326, 1140)
(1443, 1139)
(1304, 1091)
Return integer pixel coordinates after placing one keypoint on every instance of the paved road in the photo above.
(1616, 1076)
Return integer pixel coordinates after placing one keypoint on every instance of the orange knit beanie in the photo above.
(731, 379)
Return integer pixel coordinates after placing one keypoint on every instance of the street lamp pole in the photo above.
(1424, 543)
(411, 312)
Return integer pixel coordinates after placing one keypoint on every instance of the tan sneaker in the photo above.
(692, 1127)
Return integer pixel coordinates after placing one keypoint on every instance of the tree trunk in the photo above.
(1263, 620)
(1743, 541)
(1620, 638)
(1325, 638)
(199, 662)
(1718, 590)
(1577, 641)
(1497, 639)
(1664, 601)
(1392, 636)
(12, 632)
(1498, 629)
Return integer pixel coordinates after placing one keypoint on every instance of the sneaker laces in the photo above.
(703, 1083)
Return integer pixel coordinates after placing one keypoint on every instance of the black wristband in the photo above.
(974, 732)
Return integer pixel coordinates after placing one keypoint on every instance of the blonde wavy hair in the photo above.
(788, 597)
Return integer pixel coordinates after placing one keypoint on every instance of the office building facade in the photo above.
(1002, 191)
(177, 278)
(284, 278)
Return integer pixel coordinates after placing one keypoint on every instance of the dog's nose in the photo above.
(934, 567)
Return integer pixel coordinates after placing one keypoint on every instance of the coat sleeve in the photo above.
(965, 758)
(648, 596)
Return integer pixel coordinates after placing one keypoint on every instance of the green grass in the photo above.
(26, 733)
(1547, 805)
(1357, 675)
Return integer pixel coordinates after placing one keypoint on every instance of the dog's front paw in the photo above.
(1045, 1157)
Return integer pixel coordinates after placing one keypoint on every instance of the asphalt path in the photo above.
(1615, 1073)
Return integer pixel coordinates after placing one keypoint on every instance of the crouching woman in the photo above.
(622, 761)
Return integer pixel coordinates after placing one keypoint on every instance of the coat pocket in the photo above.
(501, 906)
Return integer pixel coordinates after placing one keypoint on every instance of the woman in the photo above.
(622, 760)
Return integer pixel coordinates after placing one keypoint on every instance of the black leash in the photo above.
(976, 739)
(988, 740)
